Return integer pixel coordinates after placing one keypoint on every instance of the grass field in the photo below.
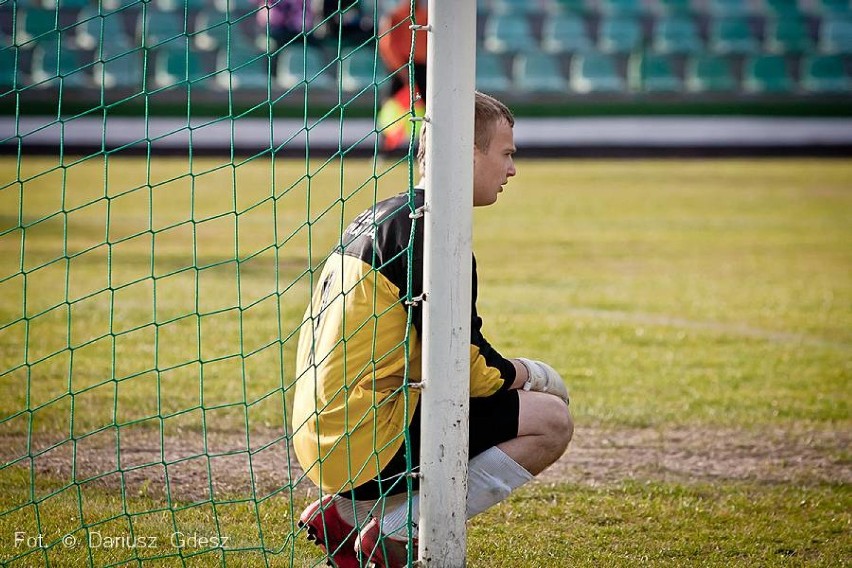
(699, 311)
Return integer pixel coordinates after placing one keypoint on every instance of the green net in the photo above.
(156, 262)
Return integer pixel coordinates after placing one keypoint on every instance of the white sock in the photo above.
(394, 518)
(492, 476)
(356, 513)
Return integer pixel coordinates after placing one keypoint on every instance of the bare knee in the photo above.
(547, 417)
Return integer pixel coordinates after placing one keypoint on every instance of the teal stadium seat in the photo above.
(518, 7)
(825, 74)
(733, 36)
(728, 8)
(181, 67)
(677, 35)
(833, 7)
(304, 64)
(213, 30)
(156, 27)
(565, 33)
(10, 68)
(508, 34)
(567, 6)
(767, 74)
(709, 73)
(595, 73)
(620, 35)
(674, 7)
(632, 8)
(181, 5)
(653, 73)
(65, 63)
(105, 34)
(360, 69)
(787, 35)
(120, 71)
(114, 5)
(537, 72)
(66, 4)
(836, 35)
(782, 8)
(242, 66)
(491, 76)
(37, 25)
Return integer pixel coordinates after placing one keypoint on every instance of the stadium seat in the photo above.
(155, 27)
(825, 74)
(836, 35)
(65, 4)
(113, 5)
(121, 71)
(52, 60)
(37, 25)
(565, 33)
(517, 7)
(653, 73)
(566, 6)
(300, 64)
(181, 5)
(508, 34)
(787, 35)
(674, 7)
(782, 8)
(491, 75)
(728, 8)
(620, 35)
(361, 68)
(708, 73)
(105, 34)
(632, 8)
(767, 74)
(180, 66)
(732, 36)
(595, 73)
(676, 34)
(9, 74)
(833, 7)
(537, 72)
(212, 29)
(242, 66)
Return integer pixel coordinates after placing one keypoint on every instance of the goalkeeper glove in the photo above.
(544, 378)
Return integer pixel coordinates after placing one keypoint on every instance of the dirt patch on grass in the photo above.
(194, 467)
(600, 456)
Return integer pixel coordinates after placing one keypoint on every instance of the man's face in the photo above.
(493, 167)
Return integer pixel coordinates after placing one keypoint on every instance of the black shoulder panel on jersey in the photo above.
(380, 237)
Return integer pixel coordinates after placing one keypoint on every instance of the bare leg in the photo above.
(545, 428)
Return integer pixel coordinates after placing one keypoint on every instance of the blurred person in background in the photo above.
(395, 49)
(285, 21)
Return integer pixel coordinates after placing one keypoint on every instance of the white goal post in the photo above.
(447, 283)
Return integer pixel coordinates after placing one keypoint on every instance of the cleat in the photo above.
(382, 550)
(325, 528)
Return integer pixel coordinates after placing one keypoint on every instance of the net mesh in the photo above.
(151, 290)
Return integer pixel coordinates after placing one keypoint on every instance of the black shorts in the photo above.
(493, 420)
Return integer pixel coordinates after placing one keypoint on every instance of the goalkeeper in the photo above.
(349, 408)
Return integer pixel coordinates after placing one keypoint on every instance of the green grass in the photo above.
(166, 299)
(654, 524)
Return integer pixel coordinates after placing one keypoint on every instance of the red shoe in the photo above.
(330, 532)
(384, 551)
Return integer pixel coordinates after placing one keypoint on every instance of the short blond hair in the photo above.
(488, 113)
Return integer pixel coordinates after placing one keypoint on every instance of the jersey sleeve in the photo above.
(490, 372)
